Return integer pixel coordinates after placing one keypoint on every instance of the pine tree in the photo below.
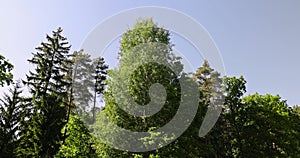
(88, 83)
(49, 86)
(13, 111)
(83, 82)
(209, 83)
(210, 90)
(100, 77)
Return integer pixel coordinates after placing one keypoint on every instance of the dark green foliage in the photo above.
(257, 125)
(269, 127)
(5, 71)
(13, 111)
(46, 125)
(235, 89)
(49, 86)
(53, 64)
(100, 76)
(88, 83)
(210, 88)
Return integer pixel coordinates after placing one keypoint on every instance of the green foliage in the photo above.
(139, 74)
(49, 86)
(296, 108)
(45, 125)
(5, 71)
(257, 125)
(235, 89)
(144, 31)
(53, 64)
(209, 81)
(88, 83)
(12, 112)
(100, 76)
(210, 88)
(83, 85)
(270, 127)
(79, 141)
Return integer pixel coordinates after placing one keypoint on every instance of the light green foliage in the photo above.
(138, 72)
(144, 31)
(45, 124)
(79, 141)
(296, 108)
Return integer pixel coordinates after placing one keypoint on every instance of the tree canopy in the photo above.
(60, 117)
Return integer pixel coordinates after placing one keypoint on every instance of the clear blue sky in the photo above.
(257, 39)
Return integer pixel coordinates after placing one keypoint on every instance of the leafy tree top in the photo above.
(144, 31)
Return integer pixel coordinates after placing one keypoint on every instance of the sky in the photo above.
(259, 40)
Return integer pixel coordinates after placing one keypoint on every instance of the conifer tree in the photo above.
(49, 86)
(100, 77)
(88, 83)
(83, 82)
(210, 89)
(13, 112)
(210, 83)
